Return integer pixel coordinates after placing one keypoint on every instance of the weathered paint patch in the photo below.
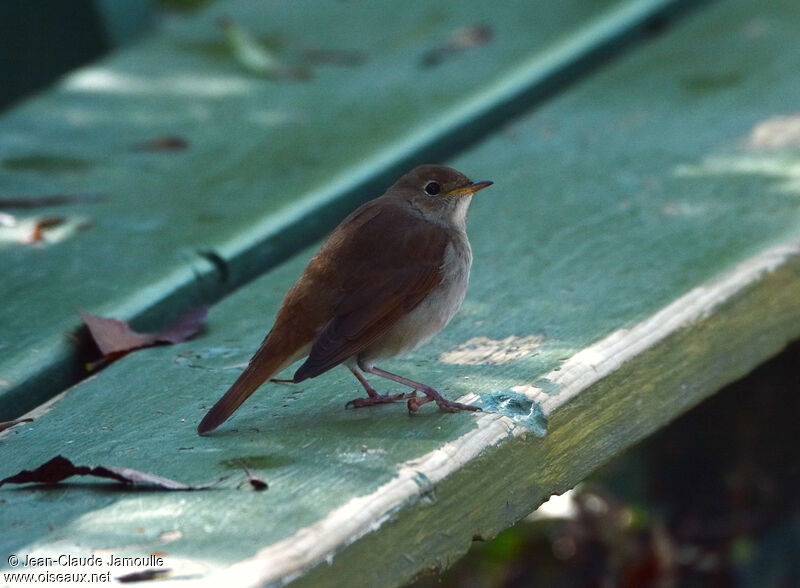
(519, 408)
(212, 358)
(783, 168)
(778, 132)
(484, 350)
(365, 455)
(256, 462)
(775, 139)
(548, 386)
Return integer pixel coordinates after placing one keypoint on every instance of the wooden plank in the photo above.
(270, 164)
(639, 249)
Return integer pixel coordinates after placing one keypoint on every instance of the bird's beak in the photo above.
(470, 189)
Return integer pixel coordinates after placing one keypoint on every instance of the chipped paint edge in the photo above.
(289, 559)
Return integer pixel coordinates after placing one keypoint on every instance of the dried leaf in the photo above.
(8, 424)
(129, 476)
(115, 338)
(40, 230)
(256, 482)
(166, 143)
(60, 468)
(185, 327)
(460, 40)
(255, 57)
(51, 472)
(40, 225)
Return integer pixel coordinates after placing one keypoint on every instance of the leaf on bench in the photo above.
(8, 424)
(60, 468)
(115, 338)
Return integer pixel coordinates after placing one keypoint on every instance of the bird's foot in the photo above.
(373, 400)
(450, 406)
(444, 405)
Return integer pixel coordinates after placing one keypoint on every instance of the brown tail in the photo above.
(266, 362)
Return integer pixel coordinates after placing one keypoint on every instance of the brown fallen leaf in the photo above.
(459, 40)
(8, 424)
(60, 468)
(186, 327)
(40, 230)
(40, 225)
(256, 482)
(165, 143)
(115, 338)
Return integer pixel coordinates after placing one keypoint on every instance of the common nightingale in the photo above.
(389, 278)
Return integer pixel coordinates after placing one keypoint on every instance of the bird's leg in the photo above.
(373, 397)
(430, 394)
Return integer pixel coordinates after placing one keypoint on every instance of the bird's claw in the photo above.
(443, 404)
(450, 406)
(380, 399)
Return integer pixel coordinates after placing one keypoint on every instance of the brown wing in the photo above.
(388, 265)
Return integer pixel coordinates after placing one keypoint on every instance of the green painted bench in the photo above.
(640, 248)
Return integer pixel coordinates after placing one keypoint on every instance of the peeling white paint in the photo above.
(484, 350)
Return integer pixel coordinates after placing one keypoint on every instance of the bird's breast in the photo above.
(434, 312)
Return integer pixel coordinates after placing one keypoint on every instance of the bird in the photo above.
(389, 277)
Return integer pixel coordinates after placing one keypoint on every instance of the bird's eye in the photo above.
(432, 188)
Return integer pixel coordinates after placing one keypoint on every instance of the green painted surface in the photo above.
(505, 483)
(612, 201)
(269, 165)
